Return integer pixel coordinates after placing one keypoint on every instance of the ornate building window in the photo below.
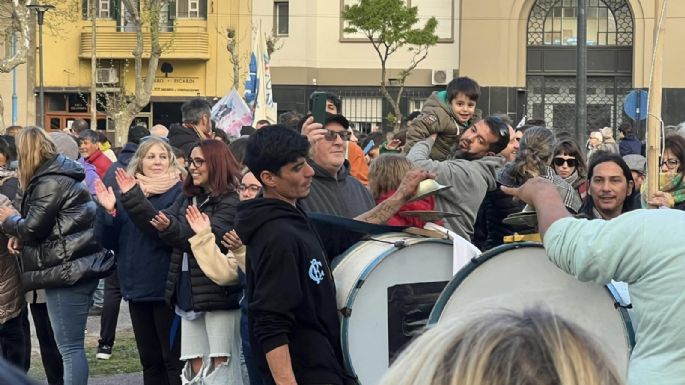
(553, 22)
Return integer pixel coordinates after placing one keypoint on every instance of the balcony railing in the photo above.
(184, 42)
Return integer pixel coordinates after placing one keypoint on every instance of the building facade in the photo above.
(522, 52)
(314, 53)
(195, 61)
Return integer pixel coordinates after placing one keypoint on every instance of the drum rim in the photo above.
(363, 275)
(465, 271)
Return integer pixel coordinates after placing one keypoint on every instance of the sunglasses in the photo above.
(570, 162)
(331, 135)
(197, 162)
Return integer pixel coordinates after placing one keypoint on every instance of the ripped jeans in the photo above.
(213, 334)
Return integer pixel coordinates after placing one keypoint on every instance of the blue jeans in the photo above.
(68, 311)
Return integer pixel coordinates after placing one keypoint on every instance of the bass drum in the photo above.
(386, 288)
(520, 276)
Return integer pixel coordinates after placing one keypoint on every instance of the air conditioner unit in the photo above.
(106, 76)
(439, 77)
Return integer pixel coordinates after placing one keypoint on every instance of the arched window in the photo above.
(554, 22)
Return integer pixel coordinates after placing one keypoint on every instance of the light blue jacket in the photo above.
(646, 249)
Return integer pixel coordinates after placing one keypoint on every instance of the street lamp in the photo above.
(40, 11)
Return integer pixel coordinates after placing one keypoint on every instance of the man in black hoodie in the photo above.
(292, 313)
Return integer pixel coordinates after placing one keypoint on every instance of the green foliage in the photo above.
(125, 359)
(391, 118)
(389, 25)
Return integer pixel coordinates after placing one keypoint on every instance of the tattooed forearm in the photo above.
(383, 211)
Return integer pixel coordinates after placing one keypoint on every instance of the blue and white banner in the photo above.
(258, 90)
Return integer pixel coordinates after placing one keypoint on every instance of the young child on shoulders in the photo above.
(446, 113)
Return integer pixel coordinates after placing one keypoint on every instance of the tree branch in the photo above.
(19, 24)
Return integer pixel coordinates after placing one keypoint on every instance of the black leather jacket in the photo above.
(56, 228)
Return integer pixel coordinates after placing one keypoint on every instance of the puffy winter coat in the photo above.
(56, 228)
(206, 295)
(11, 292)
(436, 118)
(142, 257)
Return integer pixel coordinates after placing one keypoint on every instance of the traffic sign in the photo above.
(635, 105)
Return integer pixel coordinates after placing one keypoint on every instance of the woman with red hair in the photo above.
(210, 316)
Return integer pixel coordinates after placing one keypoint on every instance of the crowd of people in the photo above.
(228, 279)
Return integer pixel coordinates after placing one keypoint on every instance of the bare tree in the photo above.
(232, 46)
(122, 108)
(15, 25)
(15, 30)
(273, 44)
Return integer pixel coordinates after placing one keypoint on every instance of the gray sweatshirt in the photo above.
(470, 180)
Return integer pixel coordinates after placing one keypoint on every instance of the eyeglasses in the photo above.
(670, 163)
(253, 188)
(572, 162)
(197, 162)
(331, 135)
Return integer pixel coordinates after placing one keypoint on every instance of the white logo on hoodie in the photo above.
(315, 271)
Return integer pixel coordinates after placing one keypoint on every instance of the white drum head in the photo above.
(394, 291)
(517, 277)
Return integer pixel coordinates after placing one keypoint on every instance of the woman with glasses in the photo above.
(569, 164)
(223, 268)
(143, 258)
(249, 187)
(671, 184)
(210, 319)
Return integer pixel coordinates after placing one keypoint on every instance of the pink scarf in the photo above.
(158, 184)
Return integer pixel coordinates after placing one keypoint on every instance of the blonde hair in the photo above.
(506, 348)
(34, 147)
(136, 163)
(386, 173)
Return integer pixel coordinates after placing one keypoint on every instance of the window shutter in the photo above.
(203, 8)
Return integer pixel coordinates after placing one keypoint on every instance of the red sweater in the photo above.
(427, 203)
(100, 161)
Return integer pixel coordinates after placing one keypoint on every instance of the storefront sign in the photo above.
(185, 86)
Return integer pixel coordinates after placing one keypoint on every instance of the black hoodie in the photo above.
(290, 291)
(183, 138)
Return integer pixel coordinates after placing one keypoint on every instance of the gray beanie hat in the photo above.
(66, 145)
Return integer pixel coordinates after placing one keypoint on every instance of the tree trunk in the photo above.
(122, 121)
(143, 84)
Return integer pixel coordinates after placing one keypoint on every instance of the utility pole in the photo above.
(40, 12)
(581, 73)
(93, 67)
(654, 100)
